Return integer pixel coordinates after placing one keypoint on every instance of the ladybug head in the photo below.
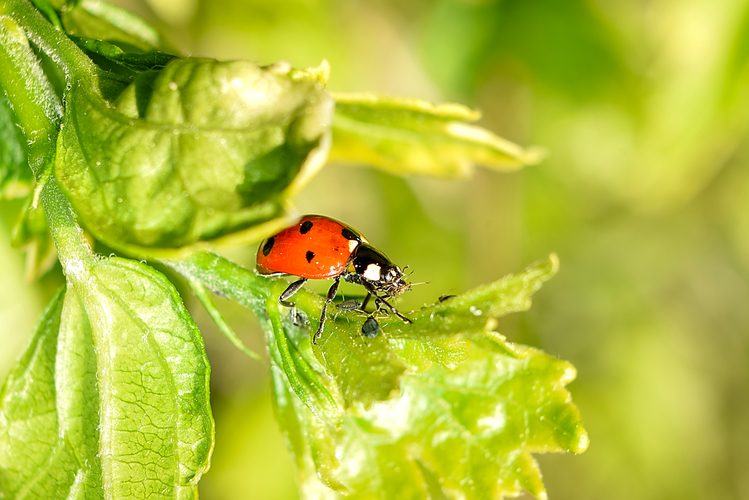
(374, 268)
(393, 283)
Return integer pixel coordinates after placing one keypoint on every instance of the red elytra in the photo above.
(318, 247)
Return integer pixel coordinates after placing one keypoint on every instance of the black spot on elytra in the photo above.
(306, 226)
(349, 234)
(268, 245)
(310, 255)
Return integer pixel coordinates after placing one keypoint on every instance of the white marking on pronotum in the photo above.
(372, 272)
(352, 244)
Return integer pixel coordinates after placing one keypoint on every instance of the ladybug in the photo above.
(318, 247)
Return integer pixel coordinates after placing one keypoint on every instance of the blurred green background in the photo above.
(644, 107)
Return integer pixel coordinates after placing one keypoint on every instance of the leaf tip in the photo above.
(542, 271)
(320, 74)
(535, 155)
(568, 375)
(583, 441)
(554, 262)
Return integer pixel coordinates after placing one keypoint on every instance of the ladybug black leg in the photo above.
(379, 301)
(366, 301)
(393, 310)
(291, 290)
(332, 291)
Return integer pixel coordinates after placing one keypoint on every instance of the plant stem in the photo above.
(72, 250)
(73, 63)
(40, 115)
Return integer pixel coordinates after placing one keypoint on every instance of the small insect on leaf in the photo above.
(370, 328)
(349, 305)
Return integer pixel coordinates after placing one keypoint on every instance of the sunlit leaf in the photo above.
(411, 136)
(464, 428)
(111, 398)
(469, 412)
(198, 150)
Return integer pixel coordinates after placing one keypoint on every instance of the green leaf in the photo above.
(411, 136)
(113, 24)
(363, 370)
(49, 12)
(111, 398)
(421, 354)
(205, 298)
(462, 429)
(473, 313)
(256, 293)
(135, 62)
(470, 410)
(225, 278)
(199, 150)
(16, 178)
(33, 458)
(35, 107)
(465, 433)
(31, 232)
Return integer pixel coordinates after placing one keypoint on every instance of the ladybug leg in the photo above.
(379, 301)
(291, 290)
(366, 301)
(332, 291)
(392, 309)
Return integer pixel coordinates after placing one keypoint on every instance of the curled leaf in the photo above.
(104, 21)
(198, 150)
